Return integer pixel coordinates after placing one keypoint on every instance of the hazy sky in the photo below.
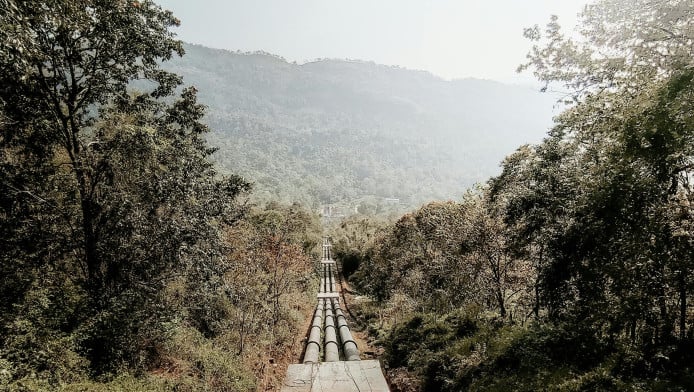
(449, 38)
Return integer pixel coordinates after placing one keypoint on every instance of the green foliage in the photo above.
(271, 272)
(625, 224)
(456, 352)
(38, 340)
(443, 256)
(623, 45)
(296, 129)
(351, 239)
(115, 224)
(205, 364)
(591, 229)
(414, 341)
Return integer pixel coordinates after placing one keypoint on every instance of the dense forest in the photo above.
(127, 261)
(295, 130)
(571, 270)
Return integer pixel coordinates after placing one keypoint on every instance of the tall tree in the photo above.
(630, 136)
(68, 60)
(622, 44)
(114, 184)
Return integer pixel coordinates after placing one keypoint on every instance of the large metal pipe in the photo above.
(312, 352)
(331, 283)
(332, 349)
(349, 346)
(325, 280)
(326, 275)
(327, 252)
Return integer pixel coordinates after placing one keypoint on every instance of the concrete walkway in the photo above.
(329, 340)
(342, 376)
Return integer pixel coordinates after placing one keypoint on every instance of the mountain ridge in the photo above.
(335, 130)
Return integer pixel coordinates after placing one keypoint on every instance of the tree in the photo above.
(630, 138)
(536, 193)
(444, 256)
(114, 185)
(623, 44)
(77, 57)
(270, 264)
(485, 237)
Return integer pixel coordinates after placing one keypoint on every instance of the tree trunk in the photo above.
(683, 305)
(501, 303)
(536, 306)
(94, 276)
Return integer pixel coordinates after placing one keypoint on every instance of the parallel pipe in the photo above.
(349, 346)
(332, 281)
(312, 352)
(330, 278)
(332, 349)
(324, 284)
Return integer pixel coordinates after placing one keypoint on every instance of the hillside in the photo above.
(352, 132)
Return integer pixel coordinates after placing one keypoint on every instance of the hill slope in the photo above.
(334, 131)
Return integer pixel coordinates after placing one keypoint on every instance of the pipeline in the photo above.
(332, 281)
(329, 278)
(329, 321)
(332, 349)
(349, 346)
(313, 344)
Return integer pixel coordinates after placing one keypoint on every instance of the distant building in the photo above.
(327, 210)
(332, 211)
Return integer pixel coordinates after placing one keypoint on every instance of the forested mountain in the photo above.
(296, 130)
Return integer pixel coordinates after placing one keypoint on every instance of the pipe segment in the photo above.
(349, 346)
(329, 279)
(332, 281)
(312, 352)
(332, 349)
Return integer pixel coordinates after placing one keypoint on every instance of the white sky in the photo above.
(449, 38)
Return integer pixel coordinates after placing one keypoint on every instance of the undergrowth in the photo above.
(462, 352)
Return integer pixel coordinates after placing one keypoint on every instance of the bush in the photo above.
(204, 365)
(38, 341)
(413, 342)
